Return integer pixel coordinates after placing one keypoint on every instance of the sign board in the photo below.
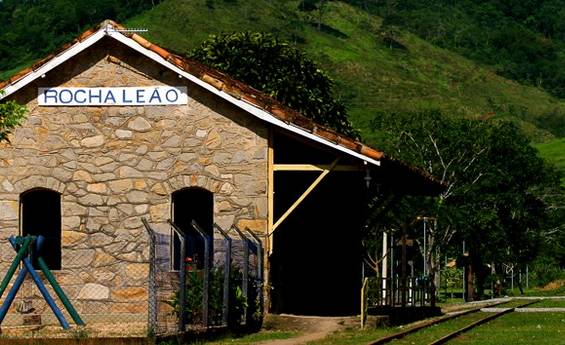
(112, 96)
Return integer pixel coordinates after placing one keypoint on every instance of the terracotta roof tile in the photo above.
(227, 84)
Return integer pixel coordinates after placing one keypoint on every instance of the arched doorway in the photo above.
(188, 204)
(40, 214)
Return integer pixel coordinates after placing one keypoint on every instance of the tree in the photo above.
(314, 5)
(11, 115)
(494, 182)
(446, 148)
(278, 69)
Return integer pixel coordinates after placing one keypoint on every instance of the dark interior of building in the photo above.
(188, 204)
(41, 215)
(316, 259)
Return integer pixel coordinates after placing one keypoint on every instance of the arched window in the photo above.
(188, 204)
(40, 214)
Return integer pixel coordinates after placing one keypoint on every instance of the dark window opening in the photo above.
(188, 204)
(40, 212)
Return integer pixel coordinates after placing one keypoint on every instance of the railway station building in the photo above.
(120, 129)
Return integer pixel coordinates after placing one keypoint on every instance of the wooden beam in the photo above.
(315, 167)
(270, 219)
(304, 195)
(270, 190)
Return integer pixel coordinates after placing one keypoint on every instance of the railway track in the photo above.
(454, 334)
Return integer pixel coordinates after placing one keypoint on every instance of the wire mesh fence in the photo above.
(136, 290)
(222, 289)
(110, 297)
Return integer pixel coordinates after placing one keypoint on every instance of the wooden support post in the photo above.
(384, 269)
(270, 221)
(304, 195)
(270, 191)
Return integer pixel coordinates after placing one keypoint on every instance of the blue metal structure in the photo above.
(17, 243)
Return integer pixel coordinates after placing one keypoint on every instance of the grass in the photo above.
(518, 328)
(515, 328)
(553, 151)
(549, 303)
(429, 334)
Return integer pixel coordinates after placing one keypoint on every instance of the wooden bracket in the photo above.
(319, 179)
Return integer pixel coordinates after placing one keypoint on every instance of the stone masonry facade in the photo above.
(114, 165)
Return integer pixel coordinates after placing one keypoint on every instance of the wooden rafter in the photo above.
(315, 167)
(319, 179)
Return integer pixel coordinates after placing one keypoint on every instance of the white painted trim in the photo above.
(252, 109)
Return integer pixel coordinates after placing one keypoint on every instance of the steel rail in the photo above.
(402, 334)
(474, 324)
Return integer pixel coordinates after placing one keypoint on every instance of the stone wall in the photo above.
(115, 165)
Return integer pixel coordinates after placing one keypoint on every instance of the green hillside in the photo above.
(554, 151)
(378, 65)
(373, 71)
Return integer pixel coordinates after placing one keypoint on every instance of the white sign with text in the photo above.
(112, 96)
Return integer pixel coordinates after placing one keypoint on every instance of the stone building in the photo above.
(119, 129)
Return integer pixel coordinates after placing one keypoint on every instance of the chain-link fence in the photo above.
(222, 289)
(135, 290)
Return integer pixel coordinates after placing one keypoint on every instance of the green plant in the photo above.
(280, 70)
(11, 115)
(239, 303)
(80, 333)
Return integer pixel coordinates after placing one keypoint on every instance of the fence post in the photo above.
(152, 295)
(260, 254)
(182, 276)
(245, 282)
(206, 288)
(364, 293)
(227, 269)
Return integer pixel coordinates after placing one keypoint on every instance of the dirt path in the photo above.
(310, 328)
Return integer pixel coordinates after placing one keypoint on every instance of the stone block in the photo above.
(70, 208)
(99, 188)
(129, 308)
(91, 291)
(141, 209)
(99, 239)
(137, 197)
(82, 175)
(126, 171)
(159, 213)
(102, 259)
(120, 186)
(214, 140)
(137, 270)
(91, 200)
(9, 209)
(94, 141)
(258, 226)
(139, 124)
(123, 134)
(70, 238)
(130, 294)
(77, 258)
(7, 186)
